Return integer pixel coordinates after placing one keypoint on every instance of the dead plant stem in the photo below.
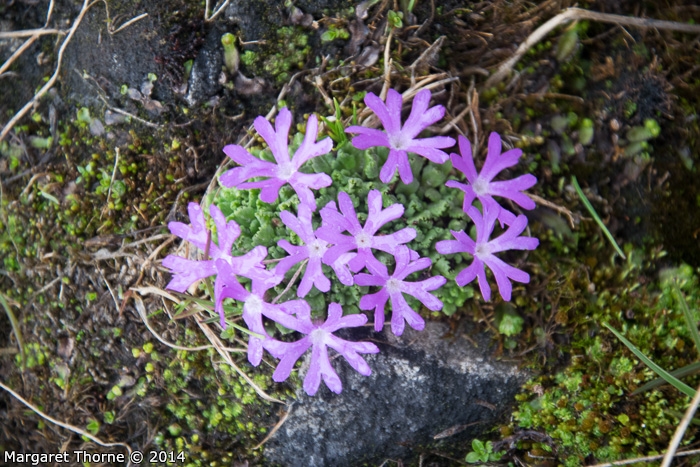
(636, 460)
(30, 33)
(6, 129)
(571, 14)
(67, 426)
(681, 429)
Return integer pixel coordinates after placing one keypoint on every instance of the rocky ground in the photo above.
(133, 129)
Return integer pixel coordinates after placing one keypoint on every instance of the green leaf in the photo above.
(349, 160)
(93, 426)
(689, 318)
(433, 177)
(84, 115)
(265, 236)
(118, 189)
(15, 328)
(597, 218)
(49, 196)
(371, 165)
(322, 164)
(691, 369)
(509, 322)
(473, 458)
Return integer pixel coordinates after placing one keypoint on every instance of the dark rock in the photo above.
(111, 59)
(204, 77)
(422, 384)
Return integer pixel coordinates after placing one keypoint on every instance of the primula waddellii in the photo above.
(402, 140)
(357, 253)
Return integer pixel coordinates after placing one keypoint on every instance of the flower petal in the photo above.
(389, 114)
(495, 161)
(368, 137)
(187, 271)
(276, 139)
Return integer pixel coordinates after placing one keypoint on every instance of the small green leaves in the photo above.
(322, 164)
(567, 44)
(335, 32)
(585, 131)
(483, 452)
(108, 417)
(509, 322)
(113, 393)
(84, 115)
(334, 125)
(231, 57)
(174, 429)
(432, 176)
(264, 236)
(93, 427)
(638, 134)
(249, 57)
(395, 19)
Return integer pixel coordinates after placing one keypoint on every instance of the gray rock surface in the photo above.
(422, 384)
(206, 69)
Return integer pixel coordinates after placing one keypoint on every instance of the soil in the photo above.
(73, 247)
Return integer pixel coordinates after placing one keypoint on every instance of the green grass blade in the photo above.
(15, 327)
(692, 324)
(679, 416)
(687, 370)
(596, 217)
(670, 379)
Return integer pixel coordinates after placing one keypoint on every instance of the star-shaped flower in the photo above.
(285, 170)
(483, 251)
(187, 271)
(313, 250)
(483, 187)
(394, 286)
(361, 238)
(254, 306)
(402, 140)
(319, 337)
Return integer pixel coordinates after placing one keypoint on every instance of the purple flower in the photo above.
(285, 171)
(400, 140)
(319, 337)
(483, 251)
(481, 185)
(361, 238)
(187, 271)
(313, 250)
(394, 287)
(254, 306)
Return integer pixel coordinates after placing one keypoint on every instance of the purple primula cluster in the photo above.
(348, 247)
(482, 187)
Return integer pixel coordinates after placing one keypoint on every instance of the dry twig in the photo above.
(572, 14)
(72, 428)
(142, 313)
(276, 427)
(35, 33)
(216, 13)
(680, 430)
(6, 129)
(227, 358)
(637, 460)
(560, 209)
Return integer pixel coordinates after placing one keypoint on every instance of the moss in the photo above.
(285, 53)
(587, 408)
